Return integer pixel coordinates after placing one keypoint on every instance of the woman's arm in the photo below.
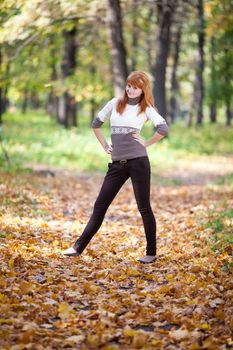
(99, 134)
(155, 138)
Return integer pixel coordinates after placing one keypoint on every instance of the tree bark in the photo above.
(174, 82)
(165, 12)
(4, 102)
(1, 92)
(53, 100)
(149, 38)
(25, 101)
(135, 35)
(228, 113)
(93, 101)
(200, 67)
(117, 47)
(213, 103)
(67, 104)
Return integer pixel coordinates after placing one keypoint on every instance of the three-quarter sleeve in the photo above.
(158, 121)
(104, 113)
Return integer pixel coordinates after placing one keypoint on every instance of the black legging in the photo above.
(138, 169)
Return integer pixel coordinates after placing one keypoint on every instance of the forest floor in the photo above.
(105, 299)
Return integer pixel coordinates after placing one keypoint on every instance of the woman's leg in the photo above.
(113, 181)
(140, 176)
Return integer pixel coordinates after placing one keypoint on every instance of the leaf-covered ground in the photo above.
(105, 299)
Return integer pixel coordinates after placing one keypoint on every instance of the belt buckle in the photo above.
(123, 161)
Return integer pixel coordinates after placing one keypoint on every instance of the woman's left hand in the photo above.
(140, 139)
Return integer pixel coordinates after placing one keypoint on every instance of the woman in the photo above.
(129, 158)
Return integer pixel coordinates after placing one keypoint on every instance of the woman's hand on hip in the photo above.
(108, 149)
(140, 139)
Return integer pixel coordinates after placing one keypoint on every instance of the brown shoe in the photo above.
(147, 259)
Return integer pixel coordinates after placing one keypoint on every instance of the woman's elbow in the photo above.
(162, 129)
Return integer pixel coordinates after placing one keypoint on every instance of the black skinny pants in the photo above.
(138, 169)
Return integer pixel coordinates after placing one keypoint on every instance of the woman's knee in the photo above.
(145, 210)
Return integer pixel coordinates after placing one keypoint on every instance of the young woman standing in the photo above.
(129, 158)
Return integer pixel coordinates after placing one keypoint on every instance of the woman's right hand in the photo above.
(108, 149)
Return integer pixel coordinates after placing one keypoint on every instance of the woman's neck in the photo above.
(134, 100)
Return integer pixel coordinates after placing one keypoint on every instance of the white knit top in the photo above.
(123, 125)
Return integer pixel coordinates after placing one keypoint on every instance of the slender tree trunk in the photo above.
(35, 101)
(93, 101)
(67, 104)
(3, 88)
(135, 36)
(174, 82)
(117, 47)
(149, 41)
(25, 101)
(1, 93)
(213, 103)
(53, 100)
(1, 112)
(165, 11)
(228, 113)
(200, 68)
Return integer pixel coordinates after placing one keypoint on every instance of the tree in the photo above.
(174, 108)
(165, 12)
(117, 46)
(200, 63)
(67, 103)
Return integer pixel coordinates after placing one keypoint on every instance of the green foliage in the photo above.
(34, 138)
(220, 223)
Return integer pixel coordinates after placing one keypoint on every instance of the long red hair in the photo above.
(140, 80)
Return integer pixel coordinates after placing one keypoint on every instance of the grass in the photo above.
(34, 138)
(222, 237)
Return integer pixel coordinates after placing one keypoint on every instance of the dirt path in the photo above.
(105, 299)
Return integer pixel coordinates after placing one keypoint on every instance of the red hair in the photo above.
(140, 80)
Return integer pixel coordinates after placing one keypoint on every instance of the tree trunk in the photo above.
(35, 101)
(135, 35)
(174, 82)
(67, 104)
(213, 104)
(228, 112)
(117, 47)
(149, 41)
(93, 101)
(1, 112)
(25, 101)
(53, 100)
(200, 68)
(1, 97)
(165, 12)
(3, 89)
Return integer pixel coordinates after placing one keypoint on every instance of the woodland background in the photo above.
(60, 62)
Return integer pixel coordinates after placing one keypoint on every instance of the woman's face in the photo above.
(132, 91)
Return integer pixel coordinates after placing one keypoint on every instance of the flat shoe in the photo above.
(147, 259)
(71, 252)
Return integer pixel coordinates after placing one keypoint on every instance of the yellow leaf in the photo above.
(110, 347)
(132, 272)
(25, 287)
(128, 332)
(11, 263)
(2, 296)
(93, 339)
(204, 326)
(64, 310)
(140, 339)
